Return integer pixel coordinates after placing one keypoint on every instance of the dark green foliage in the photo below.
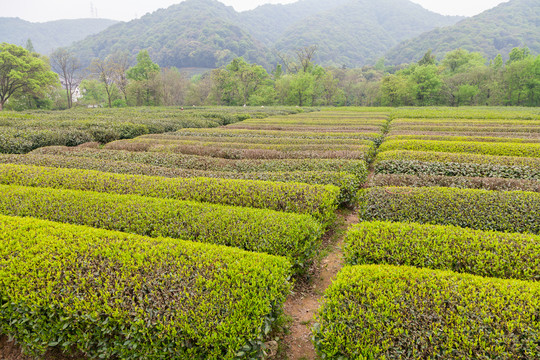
(292, 235)
(112, 295)
(316, 200)
(387, 312)
(507, 211)
(457, 164)
(485, 253)
(462, 182)
(496, 31)
(348, 183)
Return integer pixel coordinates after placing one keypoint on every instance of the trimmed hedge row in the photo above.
(348, 183)
(469, 128)
(227, 132)
(485, 253)
(292, 235)
(513, 135)
(112, 295)
(356, 167)
(249, 151)
(211, 138)
(388, 312)
(461, 182)
(475, 112)
(318, 201)
(500, 149)
(507, 211)
(450, 164)
(459, 138)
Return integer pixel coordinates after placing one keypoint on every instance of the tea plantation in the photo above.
(169, 234)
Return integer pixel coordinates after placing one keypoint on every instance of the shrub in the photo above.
(387, 312)
(318, 201)
(485, 253)
(461, 182)
(348, 183)
(484, 148)
(508, 211)
(292, 235)
(119, 296)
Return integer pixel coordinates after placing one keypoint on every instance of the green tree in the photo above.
(29, 46)
(461, 60)
(428, 59)
(144, 75)
(518, 54)
(22, 72)
(426, 84)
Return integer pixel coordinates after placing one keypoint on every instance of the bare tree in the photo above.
(120, 65)
(305, 56)
(301, 61)
(104, 71)
(65, 64)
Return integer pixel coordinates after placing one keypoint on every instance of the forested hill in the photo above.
(194, 33)
(360, 31)
(206, 33)
(48, 36)
(496, 31)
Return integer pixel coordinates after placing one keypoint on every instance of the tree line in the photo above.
(460, 78)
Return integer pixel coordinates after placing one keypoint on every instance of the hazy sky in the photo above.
(46, 10)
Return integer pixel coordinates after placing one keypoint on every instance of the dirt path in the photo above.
(302, 305)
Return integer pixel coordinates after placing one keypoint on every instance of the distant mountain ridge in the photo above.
(206, 33)
(50, 35)
(496, 31)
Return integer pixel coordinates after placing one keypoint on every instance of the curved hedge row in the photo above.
(318, 201)
(211, 138)
(484, 148)
(507, 211)
(461, 182)
(348, 183)
(485, 253)
(387, 312)
(118, 296)
(292, 235)
(356, 167)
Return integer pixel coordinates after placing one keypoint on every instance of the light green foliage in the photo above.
(388, 312)
(114, 295)
(485, 253)
(292, 235)
(22, 72)
(318, 201)
(481, 148)
(508, 211)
